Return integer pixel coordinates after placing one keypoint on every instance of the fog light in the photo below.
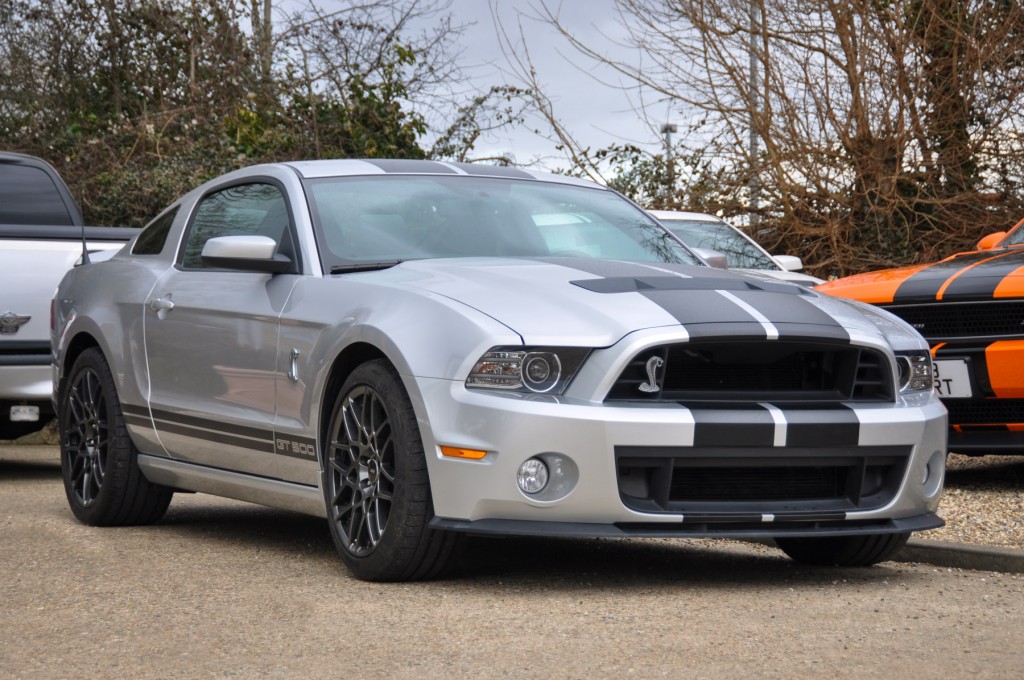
(533, 476)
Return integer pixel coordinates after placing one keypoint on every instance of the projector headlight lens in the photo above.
(540, 370)
(916, 373)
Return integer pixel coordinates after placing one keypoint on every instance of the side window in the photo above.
(154, 235)
(245, 209)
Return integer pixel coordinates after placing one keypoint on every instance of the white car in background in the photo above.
(707, 232)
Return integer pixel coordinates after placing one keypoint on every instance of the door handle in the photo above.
(161, 304)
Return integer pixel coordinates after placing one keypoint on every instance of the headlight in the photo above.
(916, 373)
(545, 370)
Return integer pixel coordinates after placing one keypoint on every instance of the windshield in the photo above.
(1016, 237)
(738, 250)
(402, 217)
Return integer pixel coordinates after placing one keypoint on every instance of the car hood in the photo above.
(595, 303)
(979, 275)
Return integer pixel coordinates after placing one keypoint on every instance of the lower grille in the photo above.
(985, 411)
(759, 480)
(757, 483)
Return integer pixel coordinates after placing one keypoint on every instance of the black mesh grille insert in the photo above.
(755, 371)
(757, 484)
(758, 480)
(938, 321)
(985, 412)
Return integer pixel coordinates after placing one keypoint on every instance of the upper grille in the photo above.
(756, 371)
(939, 321)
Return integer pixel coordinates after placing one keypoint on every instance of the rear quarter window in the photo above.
(154, 235)
(28, 195)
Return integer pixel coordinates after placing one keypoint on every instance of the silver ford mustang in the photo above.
(419, 350)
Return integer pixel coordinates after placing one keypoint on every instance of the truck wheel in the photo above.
(375, 482)
(98, 460)
(843, 551)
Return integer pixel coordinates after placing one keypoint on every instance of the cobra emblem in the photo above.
(653, 364)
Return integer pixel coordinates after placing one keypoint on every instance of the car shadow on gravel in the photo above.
(14, 470)
(584, 564)
(548, 564)
(244, 523)
(997, 473)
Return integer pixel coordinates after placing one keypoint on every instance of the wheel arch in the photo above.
(81, 342)
(344, 363)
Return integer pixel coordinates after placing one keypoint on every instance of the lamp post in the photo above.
(667, 129)
(755, 105)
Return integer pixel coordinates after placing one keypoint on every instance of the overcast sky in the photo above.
(597, 114)
(585, 97)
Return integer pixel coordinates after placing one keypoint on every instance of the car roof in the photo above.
(400, 166)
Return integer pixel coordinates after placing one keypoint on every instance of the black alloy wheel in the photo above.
(99, 462)
(362, 470)
(86, 440)
(375, 482)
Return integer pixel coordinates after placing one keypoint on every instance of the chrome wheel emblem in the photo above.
(11, 322)
(653, 364)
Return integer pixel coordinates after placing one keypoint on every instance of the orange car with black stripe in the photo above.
(970, 307)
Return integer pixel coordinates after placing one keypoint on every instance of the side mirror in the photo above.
(991, 241)
(712, 257)
(245, 252)
(790, 263)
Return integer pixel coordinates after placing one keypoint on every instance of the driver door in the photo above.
(211, 338)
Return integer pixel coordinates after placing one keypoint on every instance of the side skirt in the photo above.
(261, 490)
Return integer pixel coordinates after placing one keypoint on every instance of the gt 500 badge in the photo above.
(293, 448)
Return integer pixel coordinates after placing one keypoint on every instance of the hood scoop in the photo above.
(635, 284)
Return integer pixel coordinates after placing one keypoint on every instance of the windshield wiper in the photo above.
(364, 266)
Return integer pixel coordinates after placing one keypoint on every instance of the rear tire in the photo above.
(98, 460)
(375, 482)
(843, 551)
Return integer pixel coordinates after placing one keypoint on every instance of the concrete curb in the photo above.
(962, 556)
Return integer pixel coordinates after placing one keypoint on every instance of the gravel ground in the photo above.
(983, 503)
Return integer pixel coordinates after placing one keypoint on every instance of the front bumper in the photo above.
(582, 440)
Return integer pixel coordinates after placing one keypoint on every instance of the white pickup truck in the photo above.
(41, 237)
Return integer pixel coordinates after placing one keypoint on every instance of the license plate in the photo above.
(24, 414)
(952, 378)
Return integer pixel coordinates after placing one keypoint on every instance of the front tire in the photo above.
(843, 551)
(375, 482)
(98, 460)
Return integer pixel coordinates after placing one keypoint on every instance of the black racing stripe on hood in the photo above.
(981, 281)
(705, 312)
(700, 307)
(926, 283)
(404, 166)
(795, 316)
